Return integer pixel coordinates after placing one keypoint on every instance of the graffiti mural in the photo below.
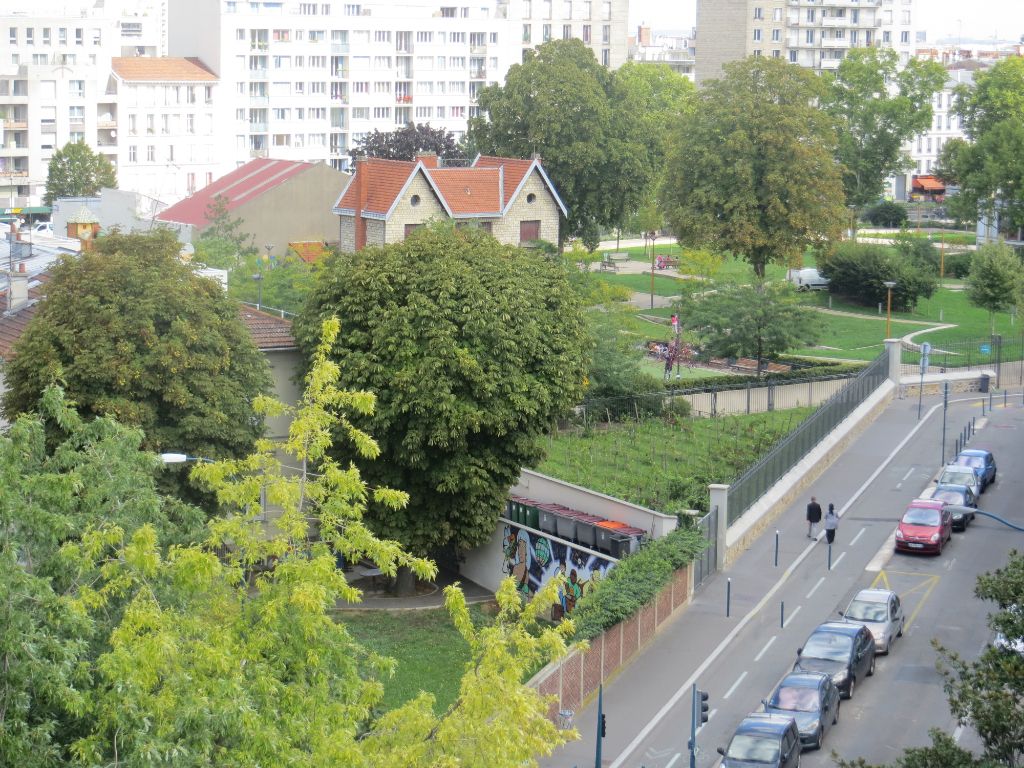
(532, 559)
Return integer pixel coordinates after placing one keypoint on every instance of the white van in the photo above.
(42, 228)
(807, 279)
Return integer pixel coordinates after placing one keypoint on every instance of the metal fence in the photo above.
(1003, 354)
(706, 562)
(756, 481)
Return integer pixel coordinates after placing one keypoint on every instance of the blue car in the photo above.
(810, 698)
(765, 741)
(982, 462)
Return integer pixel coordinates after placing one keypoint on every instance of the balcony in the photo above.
(257, 153)
(257, 74)
(477, 50)
(403, 98)
(340, 73)
(16, 124)
(478, 74)
(259, 98)
(257, 127)
(339, 48)
(14, 148)
(106, 124)
(14, 173)
(338, 98)
(259, 46)
(832, 42)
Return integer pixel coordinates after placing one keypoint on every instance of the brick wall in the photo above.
(575, 678)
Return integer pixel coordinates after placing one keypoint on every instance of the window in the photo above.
(545, 33)
(76, 137)
(14, 35)
(606, 57)
(905, 17)
(133, 154)
(151, 153)
(318, 87)
(776, 53)
(190, 183)
(360, 113)
(133, 127)
(494, 38)
(79, 36)
(315, 36)
(886, 36)
(457, 37)
(567, 31)
(382, 36)
(776, 35)
(150, 124)
(855, 16)
(170, 153)
(758, 14)
(381, 113)
(281, 35)
(76, 114)
(62, 36)
(190, 123)
(586, 34)
(458, 62)
(606, 34)
(777, 14)
(527, 34)
(854, 36)
(424, 37)
(46, 36)
(757, 35)
(840, 34)
(792, 57)
(39, 58)
(810, 14)
(757, 51)
(905, 37)
(529, 231)
(165, 124)
(810, 36)
(30, 36)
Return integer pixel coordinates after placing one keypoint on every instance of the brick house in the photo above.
(384, 200)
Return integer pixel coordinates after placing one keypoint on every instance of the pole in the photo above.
(693, 727)
(945, 410)
(652, 269)
(600, 722)
(920, 394)
(782, 614)
(776, 547)
(888, 314)
(728, 595)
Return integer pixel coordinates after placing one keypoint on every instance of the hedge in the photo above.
(635, 582)
(820, 371)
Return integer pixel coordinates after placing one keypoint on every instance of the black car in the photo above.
(962, 516)
(810, 698)
(771, 741)
(844, 651)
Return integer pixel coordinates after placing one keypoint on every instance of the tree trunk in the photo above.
(405, 582)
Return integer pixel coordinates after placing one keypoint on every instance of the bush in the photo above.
(958, 265)
(886, 214)
(635, 582)
(859, 270)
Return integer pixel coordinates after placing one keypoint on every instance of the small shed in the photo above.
(83, 226)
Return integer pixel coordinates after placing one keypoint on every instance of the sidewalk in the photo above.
(641, 689)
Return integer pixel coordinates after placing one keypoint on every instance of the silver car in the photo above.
(953, 474)
(881, 612)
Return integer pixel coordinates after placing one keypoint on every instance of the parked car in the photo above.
(881, 612)
(926, 526)
(961, 500)
(807, 279)
(982, 462)
(810, 698)
(843, 650)
(954, 474)
(762, 739)
(42, 228)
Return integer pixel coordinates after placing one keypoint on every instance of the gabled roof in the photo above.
(487, 188)
(269, 332)
(161, 69)
(238, 187)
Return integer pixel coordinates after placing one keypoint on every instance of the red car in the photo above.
(925, 527)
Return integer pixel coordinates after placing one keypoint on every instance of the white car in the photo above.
(954, 474)
(42, 228)
(880, 611)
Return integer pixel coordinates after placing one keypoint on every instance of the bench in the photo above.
(608, 266)
(616, 256)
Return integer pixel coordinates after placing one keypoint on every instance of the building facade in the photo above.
(812, 33)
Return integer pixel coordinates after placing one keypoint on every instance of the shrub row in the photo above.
(635, 582)
(859, 272)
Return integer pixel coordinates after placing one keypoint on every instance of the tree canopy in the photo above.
(76, 171)
(994, 282)
(134, 333)
(751, 169)
(599, 134)
(406, 142)
(472, 348)
(876, 107)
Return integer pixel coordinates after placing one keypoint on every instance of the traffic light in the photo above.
(702, 697)
(604, 726)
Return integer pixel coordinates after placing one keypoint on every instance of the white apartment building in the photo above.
(812, 33)
(672, 49)
(54, 83)
(306, 80)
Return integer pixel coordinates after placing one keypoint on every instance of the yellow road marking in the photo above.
(932, 581)
(880, 576)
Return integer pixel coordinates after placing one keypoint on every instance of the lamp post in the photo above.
(889, 285)
(258, 278)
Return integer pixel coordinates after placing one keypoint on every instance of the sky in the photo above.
(941, 18)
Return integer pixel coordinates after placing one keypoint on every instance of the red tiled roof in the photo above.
(161, 69)
(269, 332)
(309, 251)
(240, 186)
(386, 179)
(515, 170)
(469, 190)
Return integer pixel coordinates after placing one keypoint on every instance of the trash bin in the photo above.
(983, 386)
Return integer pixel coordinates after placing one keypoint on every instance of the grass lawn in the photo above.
(654, 463)
(664, 285)
(949, 236)
(855, 338)
(430, 653)
(690, 375)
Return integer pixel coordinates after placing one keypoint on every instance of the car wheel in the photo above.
(903, 623)
(849, 690)
(871, 669)
(835, 717)
(817, 741)
(888, 647)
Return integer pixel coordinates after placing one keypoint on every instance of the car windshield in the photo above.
(828, 645)
(957, 477)
(795, 698)
(862, 610)
(970, 461)
(756, 749)
(950, 495)
(919, 516)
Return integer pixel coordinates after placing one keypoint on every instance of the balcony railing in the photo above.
(255, 153)
(257, 127)
(339, 48)
(259, 46)
(16, 124)
(403, 98)
(478, 74)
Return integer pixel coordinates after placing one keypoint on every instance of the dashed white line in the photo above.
(765, 649)
(734, 686)
(836, 561)
(674, 759)
(859, 534)
(909, 473)
(815, 587)
(790, 617)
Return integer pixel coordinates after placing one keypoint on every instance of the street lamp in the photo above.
(889, 285)
(258, 277)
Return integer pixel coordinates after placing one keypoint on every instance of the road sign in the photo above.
(985, 349)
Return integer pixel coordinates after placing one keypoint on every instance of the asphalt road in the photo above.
(739, 659)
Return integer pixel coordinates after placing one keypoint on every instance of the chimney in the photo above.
(360, 182)
(17, 289)
(429, 159)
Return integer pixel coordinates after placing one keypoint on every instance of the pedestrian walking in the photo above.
(831, 523)
(813, 516)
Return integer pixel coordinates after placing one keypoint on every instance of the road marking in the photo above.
(931, 581)
(859, 534)
(790, 617)
(734, 686)
(674, 759)
(836, 561)
(881, 577)
(899, 485)
(957, 733)
(815, 587)
(883, 555)
(712, 657)
(949, 565)
(765, 649)
(909, 473)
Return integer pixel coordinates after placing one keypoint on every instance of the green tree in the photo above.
(600, 134)
(760, 321)
(472, 353)
(407, 142)
(221, 225)
(751, 169)
(137, 335)
(990, 169)
(76, 171)
(859, 272)
(994, 280)
(282, 283)
(876, 107)
(943, 752)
